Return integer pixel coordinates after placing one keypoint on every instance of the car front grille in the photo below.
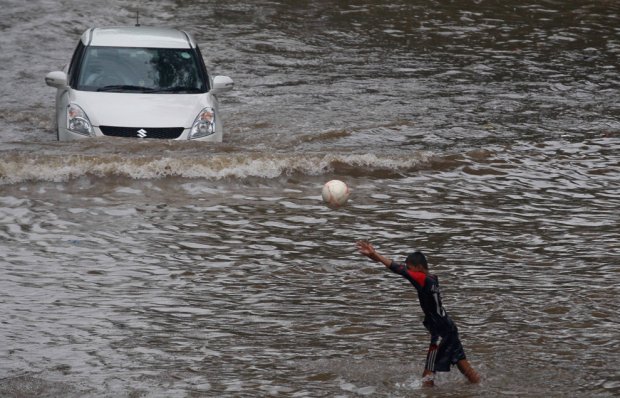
(168, 133)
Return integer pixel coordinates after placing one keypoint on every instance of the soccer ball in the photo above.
(335, 194)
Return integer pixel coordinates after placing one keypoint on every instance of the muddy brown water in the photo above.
(483, 133)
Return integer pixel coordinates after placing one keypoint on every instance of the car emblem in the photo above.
(142, 133)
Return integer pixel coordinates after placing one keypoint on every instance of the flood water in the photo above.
(484, 133)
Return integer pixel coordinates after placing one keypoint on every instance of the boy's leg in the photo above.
(468, 371)
(427, 378)
(429, 367)
(450, 351)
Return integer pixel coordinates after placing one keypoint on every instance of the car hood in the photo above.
(141, 110)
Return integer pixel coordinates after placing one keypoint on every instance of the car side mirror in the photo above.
(221, 84)
(56, 79)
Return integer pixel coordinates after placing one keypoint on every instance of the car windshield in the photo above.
(140, 70)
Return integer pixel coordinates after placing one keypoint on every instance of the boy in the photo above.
(445, 349)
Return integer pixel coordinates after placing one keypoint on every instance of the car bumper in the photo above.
(139, 134)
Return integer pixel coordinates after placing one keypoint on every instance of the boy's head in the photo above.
(416, 259)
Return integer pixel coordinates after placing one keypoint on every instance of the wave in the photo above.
(29, 167)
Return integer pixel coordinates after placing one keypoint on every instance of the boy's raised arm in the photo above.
(367, 249)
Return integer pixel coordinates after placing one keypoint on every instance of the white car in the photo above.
(139, 82)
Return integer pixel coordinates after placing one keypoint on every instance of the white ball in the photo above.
(335, 193)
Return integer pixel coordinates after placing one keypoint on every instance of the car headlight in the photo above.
(77, 121)
(204, 124)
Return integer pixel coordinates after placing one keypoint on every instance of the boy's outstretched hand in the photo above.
(365, 248)
(368, 250)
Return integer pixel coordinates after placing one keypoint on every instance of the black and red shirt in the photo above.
(436, 319)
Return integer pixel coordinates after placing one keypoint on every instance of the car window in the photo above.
(204, 67)
(77, 55)
(129, 69)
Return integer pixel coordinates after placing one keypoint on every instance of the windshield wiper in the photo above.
(178, 89)
(122, 87)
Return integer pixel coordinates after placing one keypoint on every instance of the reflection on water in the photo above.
(484, 134)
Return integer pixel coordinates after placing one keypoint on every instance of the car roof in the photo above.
(138, 36)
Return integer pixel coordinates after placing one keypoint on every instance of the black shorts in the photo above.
(449, 351)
